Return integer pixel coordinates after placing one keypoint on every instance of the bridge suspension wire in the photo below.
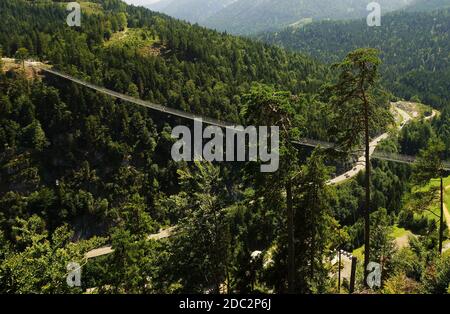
(140, 102)
(394, 157)
(406, 159)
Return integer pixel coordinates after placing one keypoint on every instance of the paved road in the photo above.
(447, 220)
(361, 162)
(403, 241)
(162, 234)
(433, 114)
(406, 117)
(447, 216)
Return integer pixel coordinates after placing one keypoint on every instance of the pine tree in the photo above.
(201, 243)
(21, 55)
(429, 166)
(266, 107)
(314, 225)
(357, 114)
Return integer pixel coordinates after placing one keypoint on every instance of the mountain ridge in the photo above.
(253, 16)
(415, 63)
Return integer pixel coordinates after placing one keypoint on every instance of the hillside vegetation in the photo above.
(414, 49)
(82, 172)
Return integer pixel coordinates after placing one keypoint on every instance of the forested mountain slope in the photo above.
(190, 10)
(250, 16)
(427, 5)
(75, 164)
(165, 61)
(247, 17)
(415, 49)
(80, 170)
(134, 51)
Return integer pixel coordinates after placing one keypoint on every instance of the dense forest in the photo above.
(414, 50)
(253, 16)
(250, 17)
(188, 67)
(80, 170)
(193, 11)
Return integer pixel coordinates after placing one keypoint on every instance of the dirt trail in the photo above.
(99, 252)
(30, 72)
(446, 212)
(403, 241)
(447, 216)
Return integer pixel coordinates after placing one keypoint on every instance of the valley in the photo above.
(93, 199)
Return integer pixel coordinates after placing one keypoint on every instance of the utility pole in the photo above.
(353, 275)
(291, 248)
(339, 271)
(441, 224)
(339, 260)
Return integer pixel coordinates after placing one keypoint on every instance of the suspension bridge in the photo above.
(394, 157)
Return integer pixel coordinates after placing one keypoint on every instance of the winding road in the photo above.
(162, 234)
(361, 163)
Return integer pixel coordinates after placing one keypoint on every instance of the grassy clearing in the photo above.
(414, 109)
(423, 109)
(88, 8)
(135, 38)
(91, 8)
(359, 253)
(396, 233)
(435, 207)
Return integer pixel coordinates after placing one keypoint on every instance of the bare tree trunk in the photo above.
(291, 248)
(441, 224)
(339, 272)
(367, 202)
(313, 240)
(313, 251)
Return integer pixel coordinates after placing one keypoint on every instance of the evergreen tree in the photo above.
(429, 166)
(315, 226)
(21, 55)
(358, 113)
(267, 107)
(201, 241)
